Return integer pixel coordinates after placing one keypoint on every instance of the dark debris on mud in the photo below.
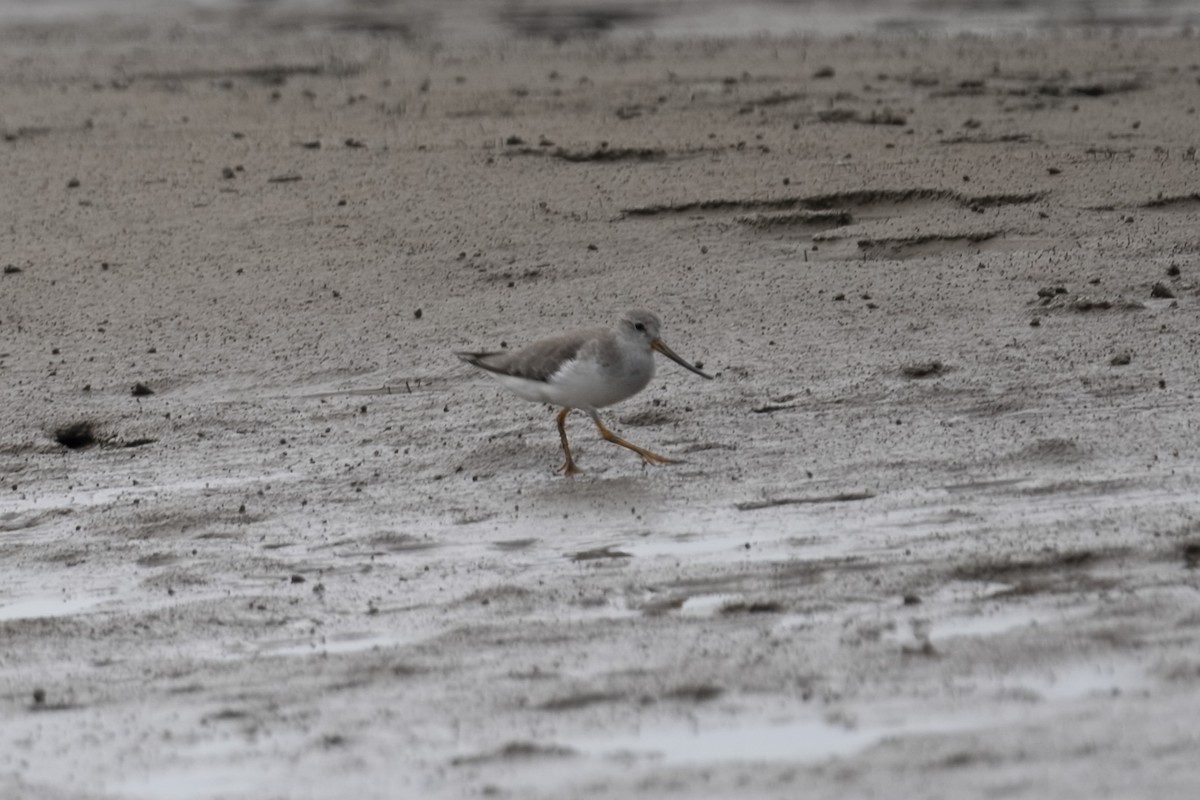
(77, 435)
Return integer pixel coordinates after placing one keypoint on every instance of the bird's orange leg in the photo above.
(648, 457)
(569, 467)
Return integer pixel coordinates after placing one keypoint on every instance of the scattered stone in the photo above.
(1051, 291)
(418, 314)
(73, 183)
(298, 579)
(1173, 271)
(824, 72)
(141, 390)
(1121, 359)
(227, 173)
(1161, 291)
(12, 269)
(355, 143)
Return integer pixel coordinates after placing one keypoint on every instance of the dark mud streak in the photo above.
(771, 408)
(776, 99)
(841, 115)
(1069, 571)
(924, 369)
(696, 694)
(603, 155)
(649, 418)
(840, 200)
(1054, 449)
(1098, 89)
(1006, 571)
(26, 132)
(1108, 488)
(514, 544)
(1041, 88)
(899, 242)
(846, 497)
(271, 74)
(582, 700)
(560, 24)
(830, 219)
(1083, 304)
(599, 553)
(1175, 200)
(758, 607)
(402, 543)
(515, 751)
(1019, 138)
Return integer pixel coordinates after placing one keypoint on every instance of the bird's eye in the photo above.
(639, 326)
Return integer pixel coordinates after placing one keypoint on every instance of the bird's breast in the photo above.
(588, 383)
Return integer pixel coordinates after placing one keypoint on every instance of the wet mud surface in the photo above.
(261, 534)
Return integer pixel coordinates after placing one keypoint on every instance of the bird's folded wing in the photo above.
(538, 362)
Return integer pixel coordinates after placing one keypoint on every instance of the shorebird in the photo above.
(587, 370)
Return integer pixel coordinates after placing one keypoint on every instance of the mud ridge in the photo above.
(1173, 201)
(840, 200)
(1083, 304)
(515, 751)
(603, 154)
(883, 117)
(269, 74)
(1007, 571)
(845, 497)
(561, 24)
(901, 242)
(998, 139)
(830, 219)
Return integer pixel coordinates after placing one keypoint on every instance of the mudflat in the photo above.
(262, 535)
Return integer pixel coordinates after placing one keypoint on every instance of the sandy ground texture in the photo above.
(263, 536)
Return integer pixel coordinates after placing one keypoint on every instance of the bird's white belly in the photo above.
(584, 384)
